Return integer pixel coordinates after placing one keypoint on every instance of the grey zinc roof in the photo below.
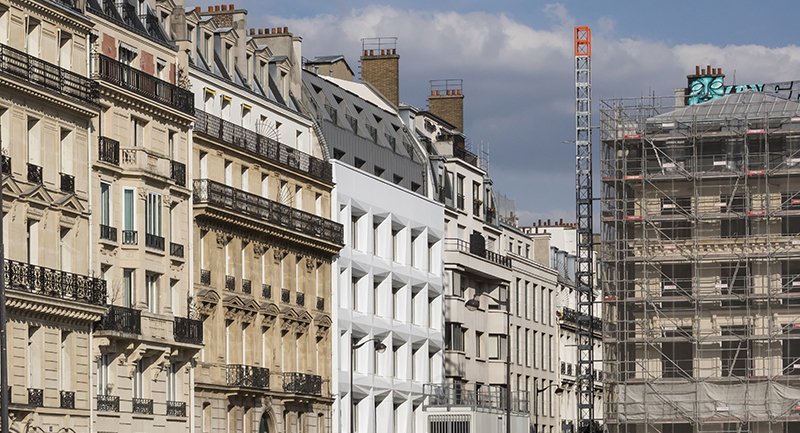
(326, 59)
(746, 105)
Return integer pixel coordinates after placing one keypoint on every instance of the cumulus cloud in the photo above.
(518, 80)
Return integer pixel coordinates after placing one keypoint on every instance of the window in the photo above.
(153, 214)
(128, 282)
(677, 353)
(354, 232)
(478, 338)
(138, 375)
(245, 178)
(734, 283)
(735, 353)
(791, 351)
(129, 220)
(105, 204)
(497, 346)
(675, 230)
(460, 192)
(379, 171)
(228, 173)
(151, 281)
(527, 352)
(65, 367)
(676, 285)
(453, 336)
(34, 141)
(395, 245)
(102, 374)
(33, 37)
(376, 237)
(172, 382)
(137, 132)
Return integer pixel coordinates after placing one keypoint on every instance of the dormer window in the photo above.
(228, 56)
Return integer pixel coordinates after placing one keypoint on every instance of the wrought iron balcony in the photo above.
(34, 174)
(155, 242)
(108, 233)
(261, 146)
(187, 330)
(72, 4)
(145, 84)
(38, 72)
(247, 287)
(176, 408)
(241, 202)
(230, 283)
(247, 376)
(108, 150)
(302, 383)
(300, 298)
(54, 283)
(107, 403)
(285, 297)
(465, 247)
(35, 397)
(178, 172)
(121, 319)
(320, 303)
(142, 406)
(124, 14)
(176, 250)
(6, 164)
(67, 183)
(266, 291)
(205, 277)
(67, 400)
(130, 237)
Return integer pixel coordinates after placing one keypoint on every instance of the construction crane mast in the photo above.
(585, 235)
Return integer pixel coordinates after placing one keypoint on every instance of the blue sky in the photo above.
(515, 59)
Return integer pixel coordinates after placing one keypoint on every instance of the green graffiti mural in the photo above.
(706, 88)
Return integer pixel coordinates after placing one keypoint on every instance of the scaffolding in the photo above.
(700, 220)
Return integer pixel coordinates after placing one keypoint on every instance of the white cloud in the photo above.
(518, 79)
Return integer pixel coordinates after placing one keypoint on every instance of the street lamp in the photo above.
(380, 348)
(559, 390)
(472, 305)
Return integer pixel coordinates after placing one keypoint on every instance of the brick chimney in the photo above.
(227, 15)
(380, 66)
(447, 101)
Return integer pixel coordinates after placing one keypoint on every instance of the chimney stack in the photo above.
(382, 70)
(447, 101)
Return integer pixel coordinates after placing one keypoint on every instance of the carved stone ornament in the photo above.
(223, 238)
(279, 254)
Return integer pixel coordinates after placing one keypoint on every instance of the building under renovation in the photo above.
(701, 261)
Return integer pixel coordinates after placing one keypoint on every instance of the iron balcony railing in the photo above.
(125, 15)
(205, 277)
(464, 246)
(485, 398)
(67, 400)
(241, 202)
(266, 291)
(155, 242)
(121, 319)
(145, 84)
(6, 164)
(247, 286)
(300, 298)
(67, 183)
(261, 146)
(465, 155)
(320, 303)
(176, 408)
(187, 330)
(230, 283)
(107, 403)
(130, 237)
(178, 172)
(34, 174)
(142, 406)
(54, 283)
(35, 397)
(302, 383)
(247, 376)
(36, 71)
(108, 150)
(285, 297)
(176, 250)
(108, 233)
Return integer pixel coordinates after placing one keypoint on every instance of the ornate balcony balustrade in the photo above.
(300, 298)
(130, 237)
(35, 397)
(266, 291)
(155, 242)
(320, 303)
(176, 408)
(205, 277)
(6, 164)
(241, 202)
(108, 403)
(247, 287)
(302, 383)
(67, 400)
(35, 174)
(67, 183)
(142, 406)
(36, 71)
(125, 14)
(187, 330)
(108, 150)
(230, 283)
(54, 283)
(145, 84)
(122, 319)
(247, 376)
(285, 296)
(178, 172)
(176, 250)
(261, 146)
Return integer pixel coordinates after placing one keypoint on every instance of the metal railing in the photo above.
(262, 146)
(484, 398)
(121, 319)
(145, 84)
(35, 397)
(285, 297)
(205, 277)
(466, 156)
(464, 246)
(320, 303)
(34, 174)
(154, 241)
(108, 233)
(187, 330)
(247, 286)
(6, 164)
(241, 202)
(67, 183)
(176, 250)
(300, 298)
(108, 150)
(36, 71)
(130, 237)
(124, 14)
(230, 283)
(67, 400)
(178, 172)
(569, 315)
(108, 403)
(54, 283)
(266, 291)
(247, 376)
(302, 383)
(176, 408)
(142, 406)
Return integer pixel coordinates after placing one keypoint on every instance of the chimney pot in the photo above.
(432, 92)
(548, 221)
(394, 50)
(708, 69)
(211, 8)
(459, 91)
(230, 6)
(719, 70)
(437, 93)
(696, 69)
(197, 9)
(223, 7)
(561, 221)
(260, 31)
(365, 52)
(286, 29)
(371, 52)
(274, 30)
(216, 8)
(280, 30)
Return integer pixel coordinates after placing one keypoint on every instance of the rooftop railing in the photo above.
(468, 396)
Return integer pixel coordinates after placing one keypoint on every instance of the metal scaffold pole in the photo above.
(585, 235)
